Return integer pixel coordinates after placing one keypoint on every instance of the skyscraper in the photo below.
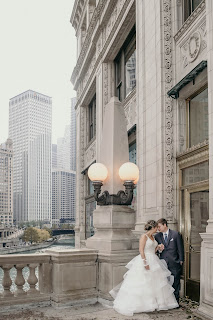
(30, 128)
(63, 196)
(63, 150)
(54, 155)
(73, 135)
(6, 183)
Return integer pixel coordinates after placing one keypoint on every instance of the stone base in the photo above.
(111, 269)
(36, 300)
(113, 229)
(75, 297)
(206, 280)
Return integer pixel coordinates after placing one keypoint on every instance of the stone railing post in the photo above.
(32, 280)
(7, 282)
(19, 281)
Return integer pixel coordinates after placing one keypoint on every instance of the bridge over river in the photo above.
(57, 232)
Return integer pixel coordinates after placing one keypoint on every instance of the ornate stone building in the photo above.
(156, 57)
(6, 184)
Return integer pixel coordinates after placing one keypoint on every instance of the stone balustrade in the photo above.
(53, 277)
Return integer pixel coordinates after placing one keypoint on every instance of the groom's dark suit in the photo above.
(173, 254)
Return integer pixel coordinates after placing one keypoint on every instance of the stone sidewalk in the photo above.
(91, 312)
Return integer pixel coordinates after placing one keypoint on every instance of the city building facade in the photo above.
(30, 128)
(54, 155)
(6, 183)
(73, 135)
(63, 196)
(63, 150)
(156, 58)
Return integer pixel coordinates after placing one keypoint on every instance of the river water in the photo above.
(61, 244)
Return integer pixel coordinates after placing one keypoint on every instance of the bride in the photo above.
(147, 285)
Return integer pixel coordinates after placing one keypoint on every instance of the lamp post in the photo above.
(128, 172)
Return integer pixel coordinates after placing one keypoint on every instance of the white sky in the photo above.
(38, 52)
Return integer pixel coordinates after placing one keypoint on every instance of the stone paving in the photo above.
(94, 312)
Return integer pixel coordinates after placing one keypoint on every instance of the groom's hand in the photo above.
(160, 247)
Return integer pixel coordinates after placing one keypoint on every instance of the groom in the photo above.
(172, 251)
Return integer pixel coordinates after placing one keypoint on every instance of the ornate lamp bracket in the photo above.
(121, 198)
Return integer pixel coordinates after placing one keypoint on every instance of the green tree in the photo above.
(31, 234)
(43, 235)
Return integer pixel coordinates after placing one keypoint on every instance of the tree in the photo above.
(49, 230)
(31, 234)
(43, 235)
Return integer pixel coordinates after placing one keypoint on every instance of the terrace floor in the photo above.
(94, 312)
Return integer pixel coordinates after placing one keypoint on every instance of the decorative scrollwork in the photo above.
(121, 198)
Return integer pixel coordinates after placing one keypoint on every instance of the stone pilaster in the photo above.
(206, 283)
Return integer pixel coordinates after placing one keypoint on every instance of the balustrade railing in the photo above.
(41, 278)
(19, 277)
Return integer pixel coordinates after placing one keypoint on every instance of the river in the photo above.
(61, 244)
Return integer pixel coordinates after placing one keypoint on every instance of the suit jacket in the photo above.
(173, 251)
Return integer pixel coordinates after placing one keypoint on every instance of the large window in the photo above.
(92, 118)
(125, 67)
(198, 118)
(189, 7)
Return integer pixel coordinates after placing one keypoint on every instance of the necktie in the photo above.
(165, 238)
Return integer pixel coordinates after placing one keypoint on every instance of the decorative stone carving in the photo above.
(130, 110)
(194, 44)
(105, 83)
(104, 36)
(185, 27)
(90, 154)
(82, 149)
(169, 160)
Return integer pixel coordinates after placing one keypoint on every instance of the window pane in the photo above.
(130, 73)
(189, 7)
(199, 172)
(195, 3)
(198, 118)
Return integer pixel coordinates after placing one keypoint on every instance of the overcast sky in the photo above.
(38, 52)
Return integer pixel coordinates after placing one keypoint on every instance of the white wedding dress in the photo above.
(145, 290)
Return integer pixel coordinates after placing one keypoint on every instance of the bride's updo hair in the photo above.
(150, 224)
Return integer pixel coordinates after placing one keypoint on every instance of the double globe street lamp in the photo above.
(128, 173)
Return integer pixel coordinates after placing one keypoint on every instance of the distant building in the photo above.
(30, 128)
(63, 150)
(54, 155)
(73, 135)
(63, 196)
(6, 183)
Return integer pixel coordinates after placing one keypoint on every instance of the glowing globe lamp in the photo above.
(97, 172)
(129, 172)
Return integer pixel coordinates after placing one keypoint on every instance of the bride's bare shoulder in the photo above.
(143, 237)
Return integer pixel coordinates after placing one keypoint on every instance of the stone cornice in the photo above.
(79, 4)
(187, 24)
(87, 42)
(105, 47)
(89, 47)
(189, 152)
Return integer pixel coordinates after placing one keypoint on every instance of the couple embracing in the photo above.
(153, 279)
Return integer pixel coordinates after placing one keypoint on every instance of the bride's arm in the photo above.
(142, 244)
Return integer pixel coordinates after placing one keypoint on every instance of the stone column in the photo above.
(113, 237)
(206, 281)
(80, 212)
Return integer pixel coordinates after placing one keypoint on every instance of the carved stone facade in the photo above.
(164, 56)
(169, 80)
(191, 41)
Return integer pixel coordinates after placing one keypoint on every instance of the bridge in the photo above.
(57, 232)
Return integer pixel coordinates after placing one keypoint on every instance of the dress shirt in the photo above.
(166, 233)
